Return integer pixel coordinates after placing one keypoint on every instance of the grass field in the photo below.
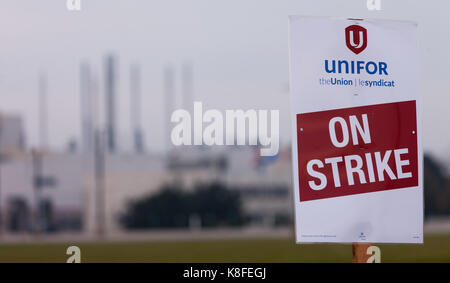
(435, 249)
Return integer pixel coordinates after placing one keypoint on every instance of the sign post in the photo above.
(356, 124)
(359, 252)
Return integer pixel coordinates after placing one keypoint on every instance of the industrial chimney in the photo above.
(135, 103)
(110, 99)
(169, 96)
(86, 108)
(43, 112)
(188, 86)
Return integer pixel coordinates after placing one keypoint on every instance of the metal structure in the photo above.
(110, 101)
(135, 103)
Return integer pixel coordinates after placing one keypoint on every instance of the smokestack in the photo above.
(43, 112)
(95, 105)
(135, 102)
(188, 86)
(110, 88)
(86, 100)
(169, 94)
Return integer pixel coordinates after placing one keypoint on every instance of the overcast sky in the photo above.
(239, 49)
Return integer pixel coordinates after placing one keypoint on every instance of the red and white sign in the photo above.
(356, 38)
(356, 131)
(357, 150)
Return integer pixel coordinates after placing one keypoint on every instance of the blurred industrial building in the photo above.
(64, 194)
(88, 186)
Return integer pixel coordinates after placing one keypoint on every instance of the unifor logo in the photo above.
(356, 38)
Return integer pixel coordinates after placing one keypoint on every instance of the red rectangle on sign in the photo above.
(357, 150)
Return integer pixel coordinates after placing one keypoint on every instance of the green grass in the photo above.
(435, 249)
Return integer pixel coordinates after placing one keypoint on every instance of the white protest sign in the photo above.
(356, 124)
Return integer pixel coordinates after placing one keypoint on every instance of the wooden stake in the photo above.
(360, 252)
